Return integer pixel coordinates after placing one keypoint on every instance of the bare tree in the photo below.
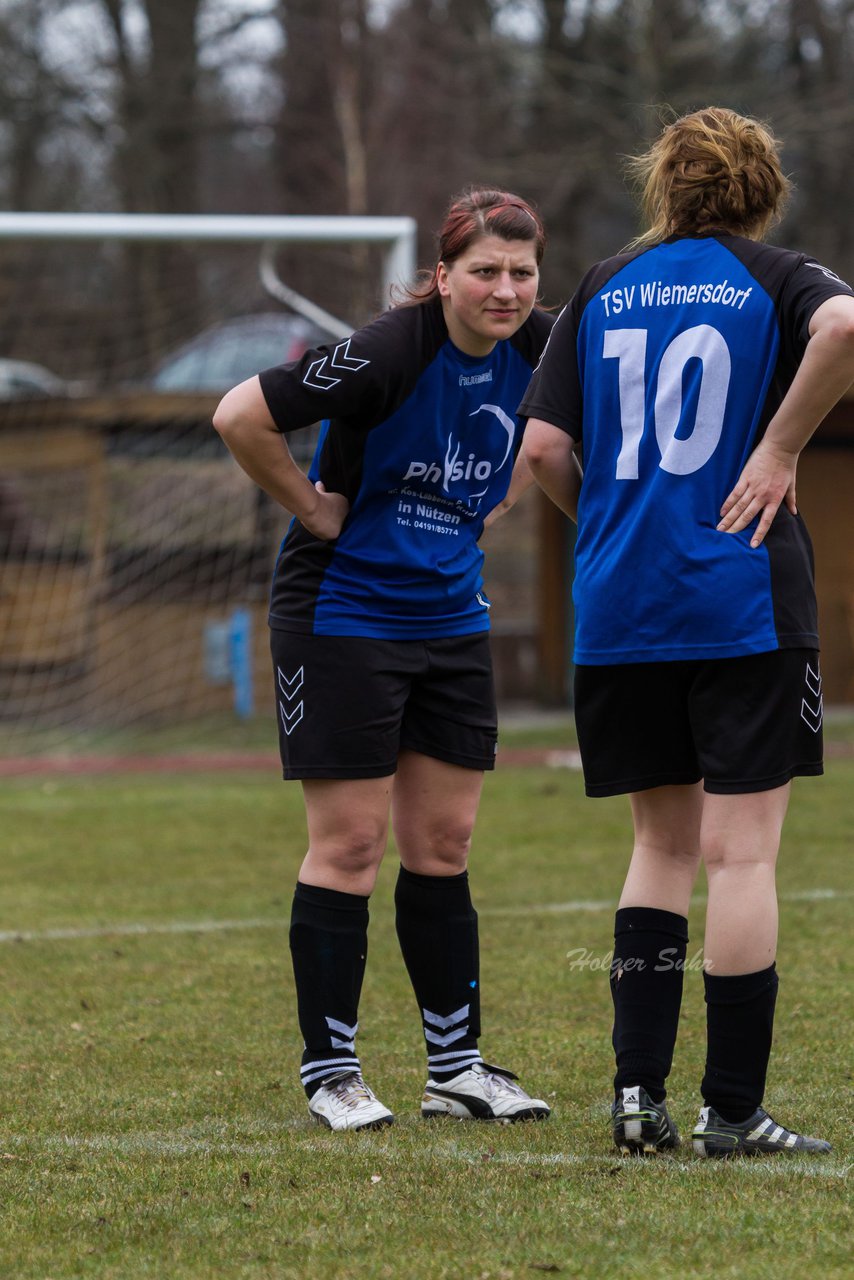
(351, 107)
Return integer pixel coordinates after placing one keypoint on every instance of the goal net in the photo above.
(135, 556)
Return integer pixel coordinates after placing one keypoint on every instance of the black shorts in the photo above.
(347, 705)
(741, 724)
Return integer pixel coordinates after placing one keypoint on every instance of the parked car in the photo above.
(228, 353)
(22, 380)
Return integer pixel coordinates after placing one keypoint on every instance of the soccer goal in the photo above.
(135, 556)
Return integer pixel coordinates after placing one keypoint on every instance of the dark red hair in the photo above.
(476, 212)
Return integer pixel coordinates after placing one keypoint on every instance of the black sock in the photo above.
(329, 946)
(646, 987)
(437, 930)
(740, 1026)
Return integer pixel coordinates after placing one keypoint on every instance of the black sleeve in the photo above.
(807, 287)
(554, 392)
(362, 379)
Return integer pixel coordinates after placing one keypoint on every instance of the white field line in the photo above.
(608, 904)
(161, 1144)
(140, 930)
(177, 1146)
(227, 926)
(787, 1166)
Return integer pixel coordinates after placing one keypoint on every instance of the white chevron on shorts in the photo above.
(290, 719)
(291, 687)
(813, 715)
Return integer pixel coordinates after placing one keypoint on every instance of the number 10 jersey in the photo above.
(668, 365)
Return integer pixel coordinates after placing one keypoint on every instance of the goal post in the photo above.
(396, 237)
(396, 234)
(135, 556)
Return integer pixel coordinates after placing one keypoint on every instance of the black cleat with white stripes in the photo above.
(642, 1127)
(758, 1135)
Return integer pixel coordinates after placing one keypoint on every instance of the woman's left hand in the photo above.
(768, 479)
(327, 518)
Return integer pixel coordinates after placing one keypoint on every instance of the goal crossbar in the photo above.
(398, 234)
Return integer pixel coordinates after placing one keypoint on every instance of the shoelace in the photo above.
(351, 1091)
(497, 1086)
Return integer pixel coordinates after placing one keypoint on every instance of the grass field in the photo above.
(150, 1120)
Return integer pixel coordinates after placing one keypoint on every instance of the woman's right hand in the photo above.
(244, 421)
(767, 481)
(327, 517)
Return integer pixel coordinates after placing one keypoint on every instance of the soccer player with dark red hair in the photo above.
(692, 370)
(379, 623)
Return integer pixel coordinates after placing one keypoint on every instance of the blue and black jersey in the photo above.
(421, 439)
(668, 364)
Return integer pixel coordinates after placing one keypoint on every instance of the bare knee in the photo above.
(743, 831)
(669, 850)
(357, 849)
(347, 860)
(440, 848)
(723, 853)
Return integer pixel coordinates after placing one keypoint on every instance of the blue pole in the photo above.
(241, 662)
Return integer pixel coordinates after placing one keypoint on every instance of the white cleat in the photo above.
(482, 1093)
(346, 1102)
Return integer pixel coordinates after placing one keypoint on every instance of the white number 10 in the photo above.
(679, 457)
